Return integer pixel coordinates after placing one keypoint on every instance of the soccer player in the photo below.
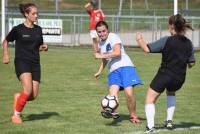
(96, 15)
(122, 73)
(177, 54)
(28, 42)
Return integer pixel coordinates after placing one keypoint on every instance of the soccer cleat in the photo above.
(115, 115)
(150, 130)
(15, 100)
(16, 119)
(168, 124)
(106, 114)
(109, 114)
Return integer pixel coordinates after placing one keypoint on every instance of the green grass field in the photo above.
(69, 97)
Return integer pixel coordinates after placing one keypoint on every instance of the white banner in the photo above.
(51, 28)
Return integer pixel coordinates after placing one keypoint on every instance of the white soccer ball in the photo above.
(109, 103)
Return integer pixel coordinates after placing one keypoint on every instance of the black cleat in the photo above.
(150, 130)
(109, 114)
(169, 125)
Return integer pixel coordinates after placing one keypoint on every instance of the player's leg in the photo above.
(150, 101)
(171, 103)
(16, 96)
(173, 86)
(131, 104)
(26, 82)
(95, 40)
(36, 76)
(114, 83)
(35, 91)
(157, 86)
(113, 91)
(129, 79)
(95, 44)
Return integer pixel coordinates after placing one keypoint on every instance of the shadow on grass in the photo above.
(122, 118)
(44, 115)
(187, 124)
(181, 125)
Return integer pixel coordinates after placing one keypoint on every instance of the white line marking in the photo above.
(164, 130)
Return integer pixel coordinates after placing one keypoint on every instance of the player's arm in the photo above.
(153, 47)
(9, 38)
(190, 65)
(102, 15)
(88, 6)
(6, 58)
(101, 68)
(141, 42)
(115, 53)
(191, 59)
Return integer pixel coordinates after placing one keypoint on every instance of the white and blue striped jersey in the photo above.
(107, 47)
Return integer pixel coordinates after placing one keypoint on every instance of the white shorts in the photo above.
(93, 34)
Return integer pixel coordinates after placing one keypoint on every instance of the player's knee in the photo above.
(32, 97)
(150, 100)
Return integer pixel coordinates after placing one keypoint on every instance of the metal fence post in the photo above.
(74, 31)
(192, 31)
(113, 23)
(199, 35)
(156, 27)
(160, 30)
(153, 24)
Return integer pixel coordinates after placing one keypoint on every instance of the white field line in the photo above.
(164, 130)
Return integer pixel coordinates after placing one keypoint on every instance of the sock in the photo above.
(150, 113)
(17, 113)
(21, 101)
(171, 102)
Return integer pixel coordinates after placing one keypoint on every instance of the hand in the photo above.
(190, 65)
(44, 47)
(138, 36)
(6, 59)
(97, 75)
(88, 6)
(98, 56)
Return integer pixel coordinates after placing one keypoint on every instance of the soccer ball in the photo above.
(109, 103)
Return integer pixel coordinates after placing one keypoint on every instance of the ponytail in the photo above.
(179, 23)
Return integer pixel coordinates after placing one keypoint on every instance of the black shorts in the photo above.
(164, 80)
(22, 66)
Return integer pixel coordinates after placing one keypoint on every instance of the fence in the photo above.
(76, 28)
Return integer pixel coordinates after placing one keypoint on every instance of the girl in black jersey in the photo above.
(177, 54)
(28, 42)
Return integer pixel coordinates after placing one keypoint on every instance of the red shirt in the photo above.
(95, 16)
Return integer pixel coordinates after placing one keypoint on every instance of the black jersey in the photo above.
(27, 42)
(176, 51)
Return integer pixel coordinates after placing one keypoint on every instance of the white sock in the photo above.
(17, 113)
(150, 113)
(171, 102)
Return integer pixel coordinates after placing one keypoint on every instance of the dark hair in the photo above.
(101, 23)
(26, 8)
(179, 23)
(94, 3)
